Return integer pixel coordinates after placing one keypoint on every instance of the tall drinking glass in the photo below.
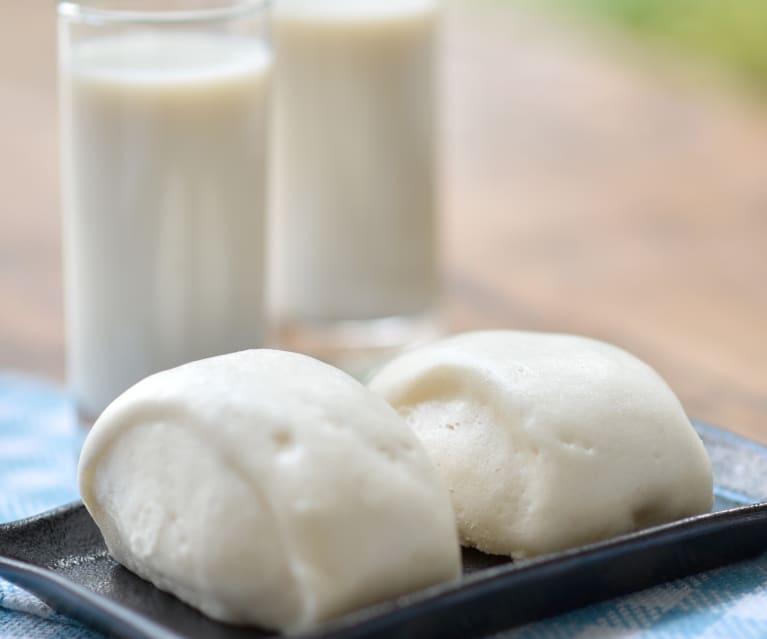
(164, 137)
(354, 244)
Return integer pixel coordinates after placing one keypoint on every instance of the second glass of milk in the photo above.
(354, 240)
(164, 124)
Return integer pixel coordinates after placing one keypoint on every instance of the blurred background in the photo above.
(604, 173)
(728, 34)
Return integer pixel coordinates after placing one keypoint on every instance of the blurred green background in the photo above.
(731, 32)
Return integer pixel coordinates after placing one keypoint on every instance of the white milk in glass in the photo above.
(164, 143)
(354, 174)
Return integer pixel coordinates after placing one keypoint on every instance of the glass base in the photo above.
(85, 418)
(358, 347)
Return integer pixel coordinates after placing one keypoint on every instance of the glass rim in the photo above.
(78, 11)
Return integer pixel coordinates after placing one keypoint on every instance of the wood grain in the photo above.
(585, 190)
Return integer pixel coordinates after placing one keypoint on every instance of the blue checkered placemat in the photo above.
(39, 444)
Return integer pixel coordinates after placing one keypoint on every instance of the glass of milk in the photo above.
(354, 206)
(164, 121)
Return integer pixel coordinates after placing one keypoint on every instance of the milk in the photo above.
(354, 233)
(164, 143)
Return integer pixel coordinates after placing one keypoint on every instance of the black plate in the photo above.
(60, 556)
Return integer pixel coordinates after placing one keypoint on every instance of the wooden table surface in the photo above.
(586, 190)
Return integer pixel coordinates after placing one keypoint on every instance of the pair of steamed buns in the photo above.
(268, 488)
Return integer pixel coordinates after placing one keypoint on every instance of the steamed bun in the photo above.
(267, 488)
(548, 441)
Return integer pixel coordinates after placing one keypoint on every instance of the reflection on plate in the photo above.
(61, 557)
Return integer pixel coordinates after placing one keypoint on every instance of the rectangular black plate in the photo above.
(60, 556)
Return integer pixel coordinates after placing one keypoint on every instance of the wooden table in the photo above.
(586, 190)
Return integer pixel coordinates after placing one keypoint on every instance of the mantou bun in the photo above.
(548, 441)
(267, 488)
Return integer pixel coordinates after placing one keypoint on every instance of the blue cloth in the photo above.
(39, 444)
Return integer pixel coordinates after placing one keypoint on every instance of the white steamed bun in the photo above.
(548, 441)
(267, 488)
